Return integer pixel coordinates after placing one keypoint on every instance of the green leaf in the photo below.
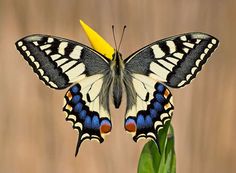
(152, 161)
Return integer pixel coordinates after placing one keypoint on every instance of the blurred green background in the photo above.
(35, 138)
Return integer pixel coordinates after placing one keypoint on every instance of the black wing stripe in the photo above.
(43, 66)
(174, 60)
(60, 62)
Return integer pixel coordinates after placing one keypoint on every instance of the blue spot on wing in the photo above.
(78, 107)
(160, 98)
(160, 87)
(82, 114)
(95, 122)
(148, 121)
(76, 99)
(153, 113)
(140, 122)
(158, 107)
(75, 89)
(88, 122)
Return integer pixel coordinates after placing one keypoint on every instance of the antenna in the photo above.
(121, 37)
(113, 32)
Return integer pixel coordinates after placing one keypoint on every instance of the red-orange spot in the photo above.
(69, 95)
(105, 128)
(166, 93)
(130, 127)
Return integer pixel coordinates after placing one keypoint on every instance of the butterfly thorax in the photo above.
(117, 68)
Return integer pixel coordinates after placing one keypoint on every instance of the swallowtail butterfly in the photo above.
(144, 75)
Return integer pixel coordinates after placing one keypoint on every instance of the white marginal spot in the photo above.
(36, 64)
(167, 119)
(50, 40)
(202, 56)
(20, 43)
(186, 50)
(166, 64)
(157, 123)
(45, 46)
(41, 72)
(55, 57)
(164, 115)
(75, 71)
(210, 45)
(151, 134)
(198, 62)
(159, 70)
(27, 53)
(181, 83)
(61, 48)
(79, 125)
(178, 55)
(206, 50)
(171, 45)
(188, 76)
(213, 41)
(35, 43)
(85, 135)
(157, 51)
(75, 54)
(24, 48)
(53, 84)
(183, 38)
(190, 45)
(31, 58)
(72, 117)
(46, 78)
(193, 70)
(68, 65)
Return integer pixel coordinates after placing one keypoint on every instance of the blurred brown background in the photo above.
(35, 138)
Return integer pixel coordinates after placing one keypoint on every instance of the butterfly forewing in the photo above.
(175, 60)
(58, 61)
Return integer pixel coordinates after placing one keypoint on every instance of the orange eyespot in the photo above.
(105, 128)
(130, 125)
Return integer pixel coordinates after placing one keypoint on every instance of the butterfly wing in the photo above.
(87, 107)
(175, 60)
(149, 106)
(60, 62)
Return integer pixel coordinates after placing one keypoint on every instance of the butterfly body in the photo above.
(144, 75)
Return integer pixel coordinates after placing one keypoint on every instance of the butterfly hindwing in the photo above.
(175, 60)
(87, 107)
(60, 62)
(149, 107)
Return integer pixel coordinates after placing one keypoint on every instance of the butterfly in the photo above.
(144, 76)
